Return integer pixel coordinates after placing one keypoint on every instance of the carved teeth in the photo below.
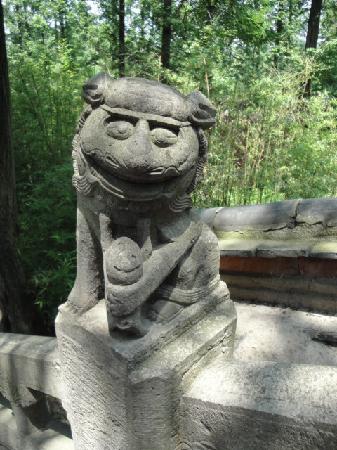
(172, 171)
(157, 171)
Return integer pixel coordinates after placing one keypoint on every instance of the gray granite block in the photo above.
(324, 250)
(29, 362)
(322, 210)
(261, 405)
(266, 217)
(238, 247)
(285, 248)
(207, 215)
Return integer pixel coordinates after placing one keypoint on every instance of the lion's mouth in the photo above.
(158, 183)
(153, 176)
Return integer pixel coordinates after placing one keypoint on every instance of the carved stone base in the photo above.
(123, 393)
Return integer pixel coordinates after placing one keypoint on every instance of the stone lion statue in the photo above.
(138, 153)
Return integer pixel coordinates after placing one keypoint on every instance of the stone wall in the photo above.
(280, 253)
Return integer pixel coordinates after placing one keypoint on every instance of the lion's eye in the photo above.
(162, 137)
(120, 129)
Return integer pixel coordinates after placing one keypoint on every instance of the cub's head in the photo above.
(141, 140)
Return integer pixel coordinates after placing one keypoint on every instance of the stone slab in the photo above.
(51, 440)
(8, 428)
(207, 215)
(135, 350)
(126, 391)
(238, 247)
(287, 248)
(267, 248)
(215, 329)
(214, 334)
(272, 248)
(265, 217)
(261, 405)
(324, 249)
(43, 440)
(325, 304)
(29, 362)
(283, 335)
(323, 210)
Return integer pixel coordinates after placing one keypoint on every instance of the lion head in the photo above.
(141, 141)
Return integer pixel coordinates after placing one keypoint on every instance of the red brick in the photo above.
(311, 267)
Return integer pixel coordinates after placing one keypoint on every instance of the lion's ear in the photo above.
(203, 112)
(93, 89)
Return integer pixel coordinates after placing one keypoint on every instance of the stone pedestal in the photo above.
(122, 393)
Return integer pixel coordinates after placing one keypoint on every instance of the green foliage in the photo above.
(327, 69)
(47, 238)
(270, 143)
(247, 56)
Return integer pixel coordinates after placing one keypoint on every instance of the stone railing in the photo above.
(31, 415)
(228, 404)
(279, 253)
(283, 253)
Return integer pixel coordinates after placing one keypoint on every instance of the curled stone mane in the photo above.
(184, 201)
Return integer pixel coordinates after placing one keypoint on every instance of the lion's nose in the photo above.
(140, 147)
(143, 125)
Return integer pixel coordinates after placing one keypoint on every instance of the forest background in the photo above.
(270, 67)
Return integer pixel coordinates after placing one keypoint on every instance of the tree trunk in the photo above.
(166, 34)
(210, 10)
(12, 315)
(121, 38)
(312, 34)
(313, 24)
(280, 28)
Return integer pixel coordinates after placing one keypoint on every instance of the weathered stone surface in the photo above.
(207, 215)
(287, 248)
(51, 440)
(324, 249)
(267, 333)
(286, 220)
(269, 248)
(238, 247)
(149, 97)
(127, 395)
(29, 381)
(8, 429)
(323, 210)
(261, 405)
(28, 362)
(294, 299)
(12, 437)
(147, 267)
(138, 154)
(256, 217)
(278, 215)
